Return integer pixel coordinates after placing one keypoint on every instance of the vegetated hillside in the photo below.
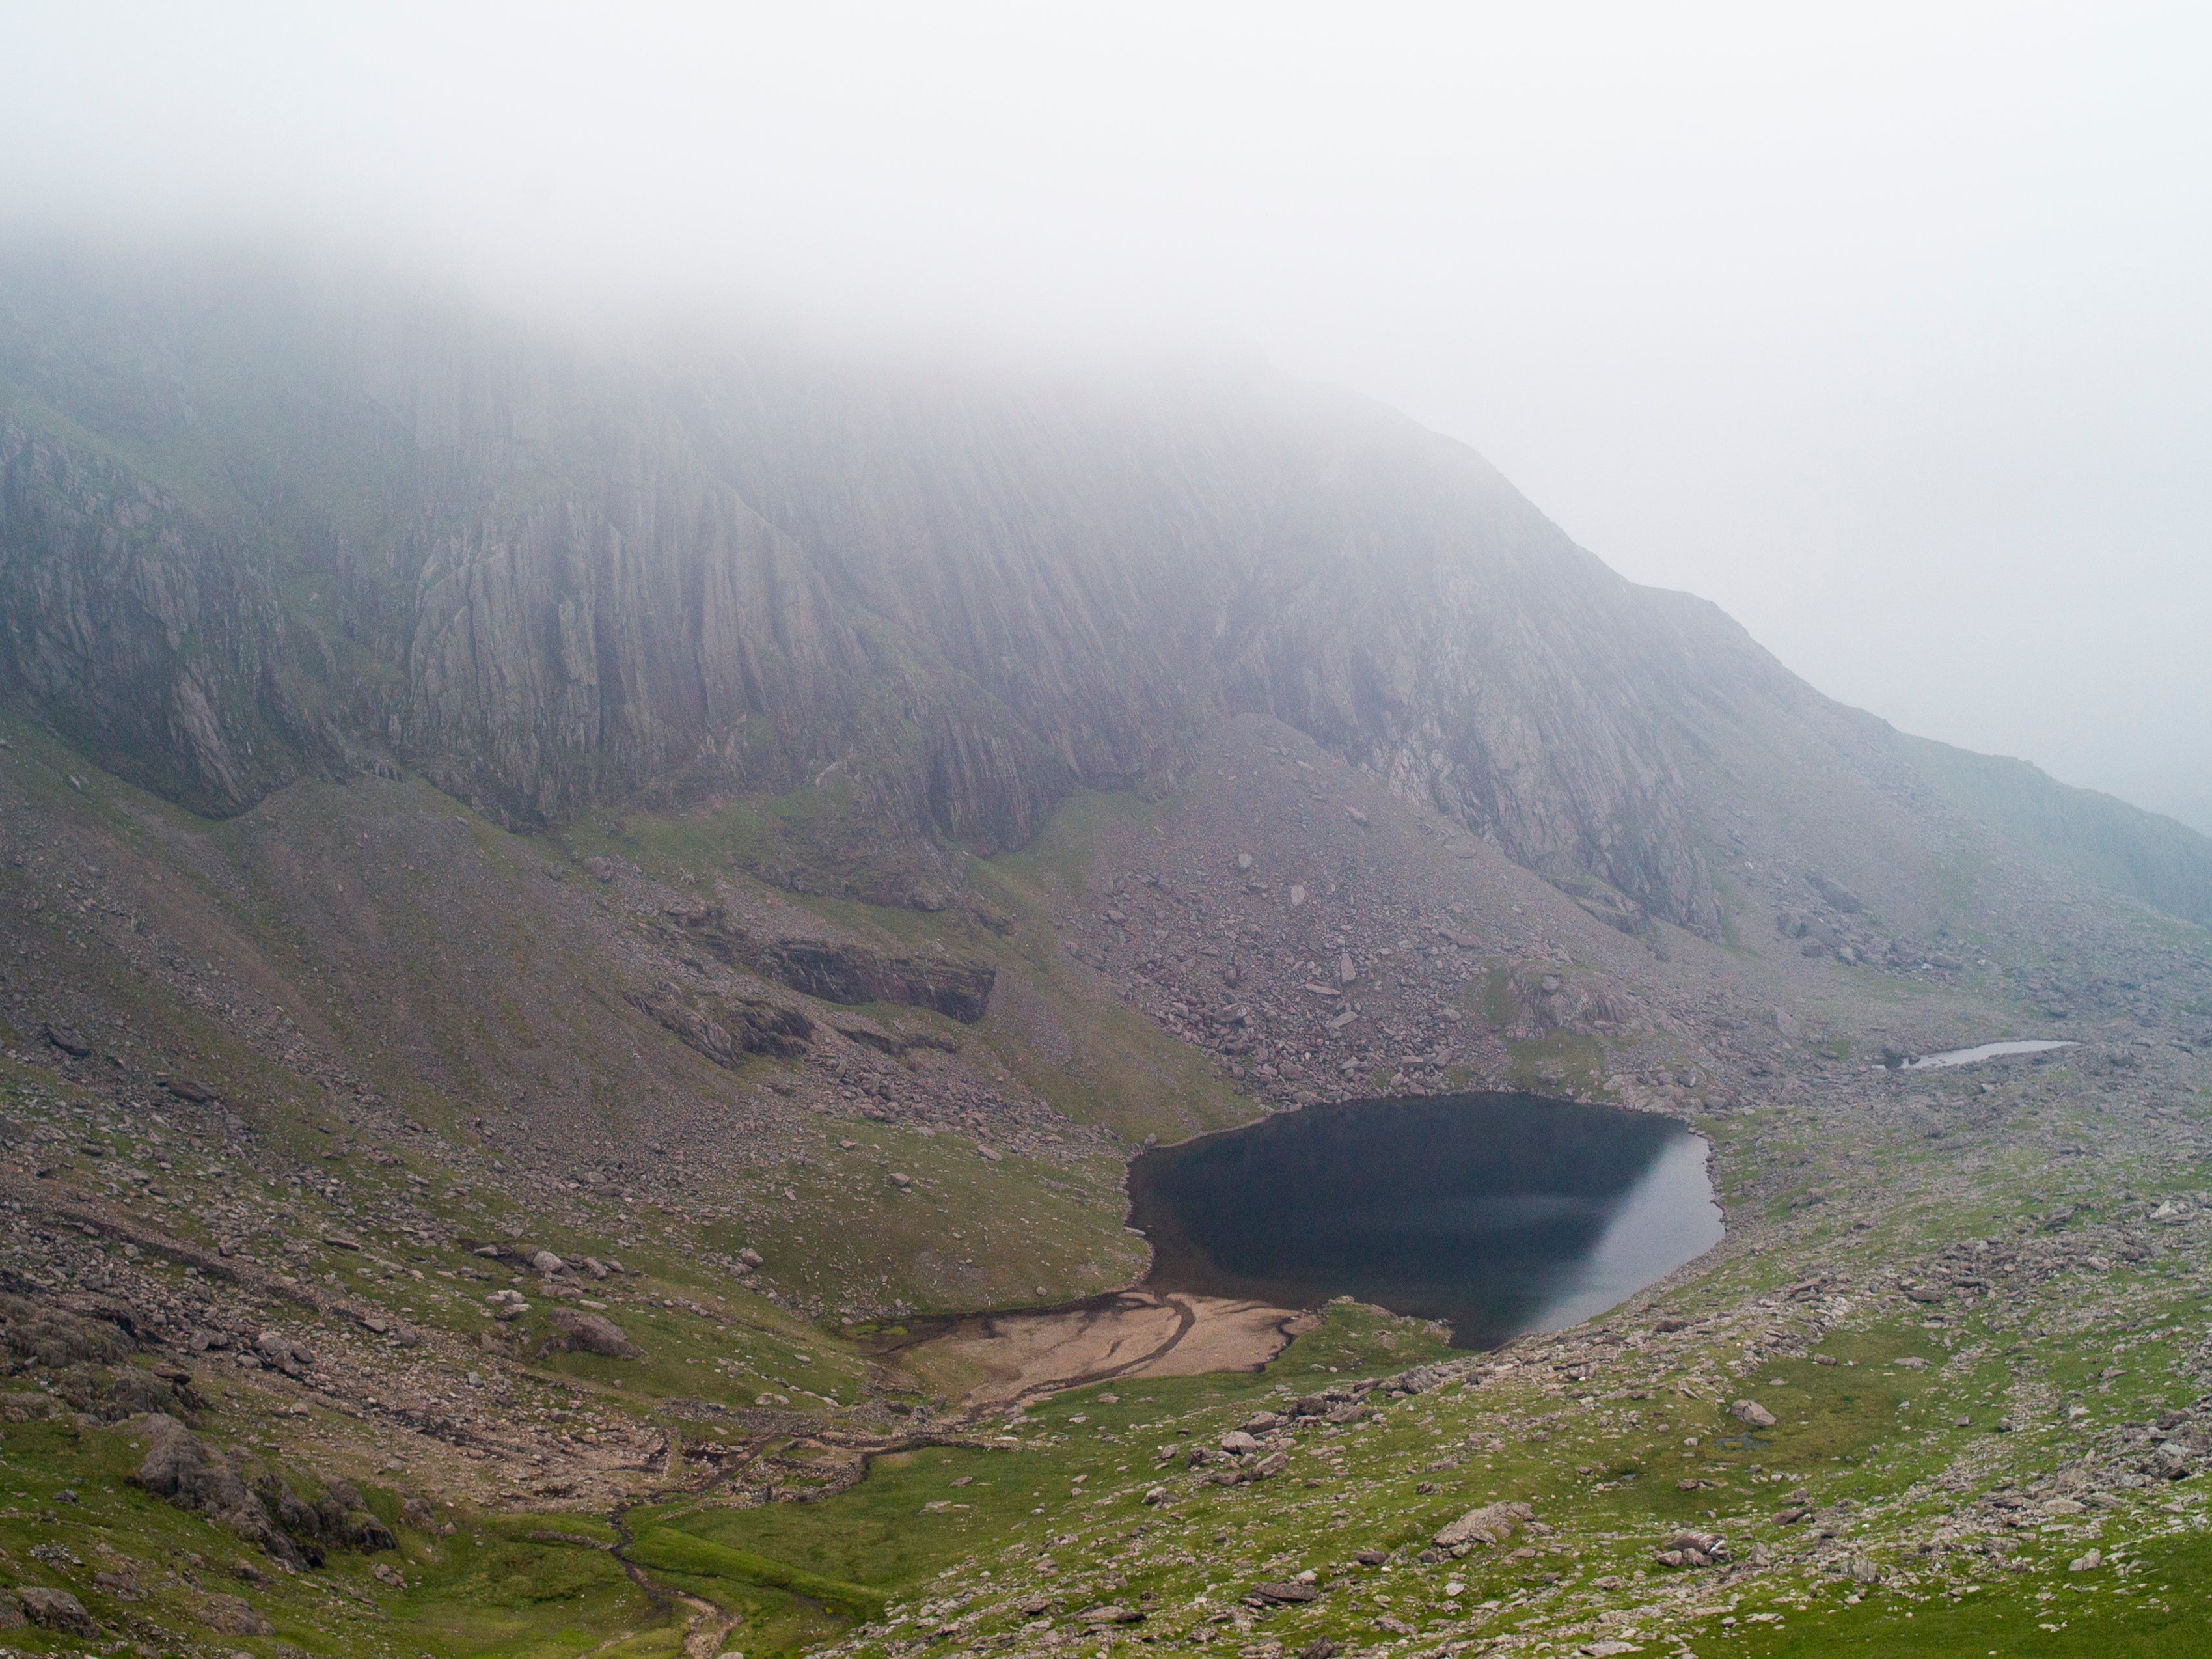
(257, 521)
(394, 1167)
(2143, 855)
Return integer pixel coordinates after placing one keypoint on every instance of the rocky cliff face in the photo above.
(147, 637)
(252, 526)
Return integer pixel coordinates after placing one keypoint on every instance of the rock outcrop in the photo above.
(838, 971)
(726, 1029)
(237, 1493)
(146, 635)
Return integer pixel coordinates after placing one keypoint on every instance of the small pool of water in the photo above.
(1986, 1051)
(1498, 1213)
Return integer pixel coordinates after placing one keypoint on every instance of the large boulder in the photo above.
(575, 1331)
(1493, 1523)
(1693, 1549)
(232, 1615)
(55, 1609)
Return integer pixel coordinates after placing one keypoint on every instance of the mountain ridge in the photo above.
(255, 523)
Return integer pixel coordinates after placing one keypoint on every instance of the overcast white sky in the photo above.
(1885, 327)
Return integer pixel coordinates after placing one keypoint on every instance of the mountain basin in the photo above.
(1499, 1213)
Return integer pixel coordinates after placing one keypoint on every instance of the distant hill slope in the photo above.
(2095, 836)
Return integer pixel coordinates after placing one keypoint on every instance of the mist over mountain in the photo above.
(261, 521)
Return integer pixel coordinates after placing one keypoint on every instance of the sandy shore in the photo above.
(1134, 1334)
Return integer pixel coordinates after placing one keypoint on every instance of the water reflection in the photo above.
(1501, 1214)
(1975, 1056)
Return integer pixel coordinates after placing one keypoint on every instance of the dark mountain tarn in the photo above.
(1498, 1212)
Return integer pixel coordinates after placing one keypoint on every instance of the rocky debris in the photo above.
(55, 1609)
(575, 1331)
(1287, 1592)
(838, 971)
(1751, 1413)
(1422, 1378)
(281, 1352)
(2171, 1461)
(66, 1039)
(507, 1304)
(380, 1323)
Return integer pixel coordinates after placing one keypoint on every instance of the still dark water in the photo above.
(1500, 1212)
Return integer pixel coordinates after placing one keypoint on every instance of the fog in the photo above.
(1884, 328)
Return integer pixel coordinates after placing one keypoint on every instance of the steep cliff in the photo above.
(256, 519)
(147, 637)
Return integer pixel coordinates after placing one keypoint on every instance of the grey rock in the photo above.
(1112, 1613)
(1492, 1524)
(1692, 1549)
(55, 1609)
(727, 1029)
(232, 1615)
(579, 1332)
